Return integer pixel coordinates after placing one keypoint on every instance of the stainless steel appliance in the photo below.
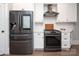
(52, 40)
(21, 32)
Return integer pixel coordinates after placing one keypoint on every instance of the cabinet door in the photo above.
(62, 10)
(65, 35)
(71, 12)
(38, 12)
(38, 40)
(67, 12)
(65, 44)
(38, 43)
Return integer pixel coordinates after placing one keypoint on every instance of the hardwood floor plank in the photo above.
(74, 51)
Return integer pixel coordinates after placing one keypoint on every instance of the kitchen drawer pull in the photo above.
(65, 38)
(38, 34)
(65, 33)
(65, 44)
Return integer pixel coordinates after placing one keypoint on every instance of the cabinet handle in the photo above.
(65, 33)
(65, 44)
(65, 38)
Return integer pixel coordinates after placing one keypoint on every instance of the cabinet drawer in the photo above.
(39, 43)
(65, 44)
(65, 34)
(38, 35)
(66, 39)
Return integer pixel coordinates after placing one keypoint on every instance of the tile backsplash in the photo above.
(67, 27)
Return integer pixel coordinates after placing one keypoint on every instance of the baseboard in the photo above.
(75, 42)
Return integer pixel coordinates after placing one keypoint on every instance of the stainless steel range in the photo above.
(52, 40)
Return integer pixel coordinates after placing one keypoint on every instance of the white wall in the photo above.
(23, 6)
(75, 39)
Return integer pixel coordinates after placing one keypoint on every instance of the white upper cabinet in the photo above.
(72, 12)
(38, 12)
(67, 12)
(23, 6)
(62, 13)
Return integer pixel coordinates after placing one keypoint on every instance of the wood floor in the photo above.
(74, 51)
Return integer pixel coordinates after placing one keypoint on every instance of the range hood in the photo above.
(50, 12)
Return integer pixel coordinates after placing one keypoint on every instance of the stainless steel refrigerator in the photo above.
(21, 32)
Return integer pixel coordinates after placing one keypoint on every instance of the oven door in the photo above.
(52, 41)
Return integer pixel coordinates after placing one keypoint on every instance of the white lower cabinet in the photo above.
(38, 43)
(66, 41)
(38, 40)
(65, 44)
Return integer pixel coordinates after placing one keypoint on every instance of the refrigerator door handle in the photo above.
(20, 17)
